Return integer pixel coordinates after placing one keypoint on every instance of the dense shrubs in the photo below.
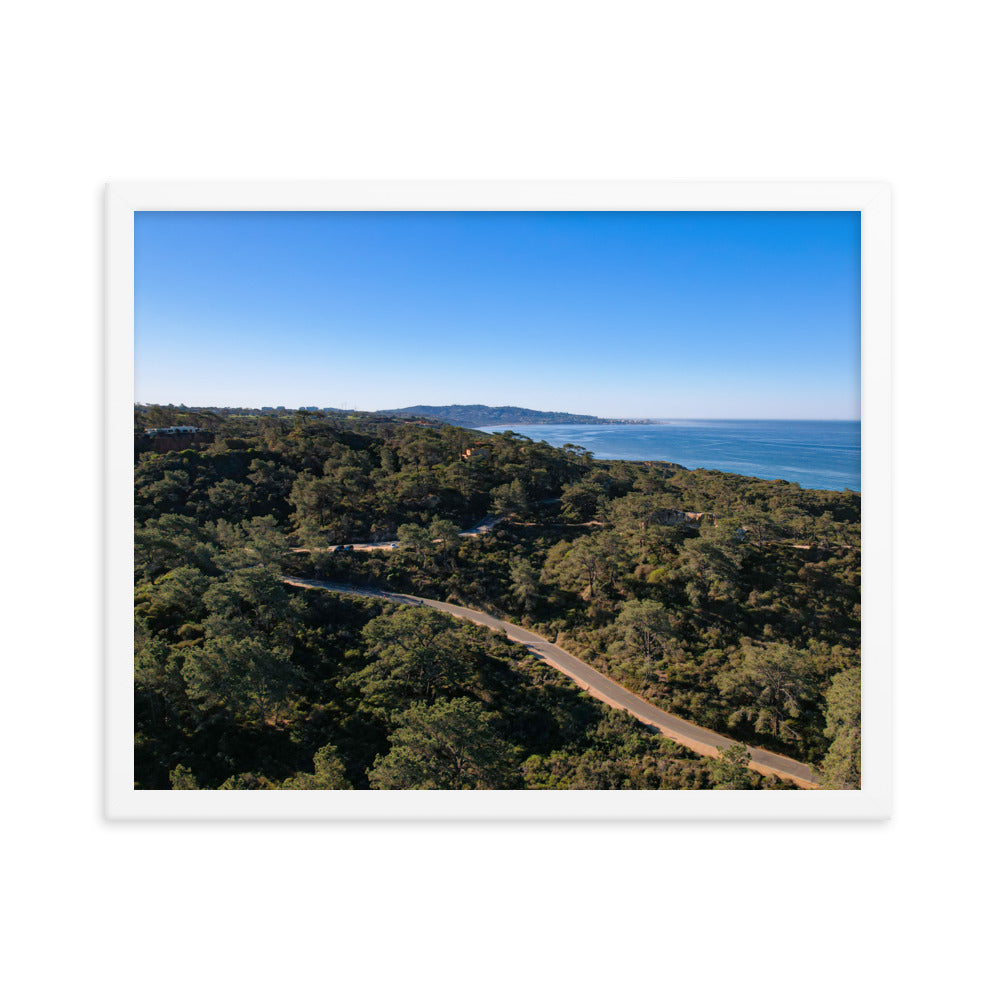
(731, 601)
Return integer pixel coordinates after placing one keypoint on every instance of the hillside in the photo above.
(490, 416)
(742, 617)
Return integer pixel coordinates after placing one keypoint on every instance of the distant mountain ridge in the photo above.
(487, 416)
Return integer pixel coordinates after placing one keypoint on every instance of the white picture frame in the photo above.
(872, 801)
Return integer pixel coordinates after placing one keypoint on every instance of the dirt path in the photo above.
(702, 741)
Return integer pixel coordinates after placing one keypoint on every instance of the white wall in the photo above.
(728, 90)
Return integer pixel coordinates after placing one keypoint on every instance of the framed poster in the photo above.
(498, 500)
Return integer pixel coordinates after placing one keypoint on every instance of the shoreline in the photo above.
(757, 450)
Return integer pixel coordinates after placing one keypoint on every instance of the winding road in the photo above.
(702, 741)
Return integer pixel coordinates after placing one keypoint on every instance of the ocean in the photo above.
(816, 454)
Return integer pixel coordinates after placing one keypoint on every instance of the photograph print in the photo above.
(497, 500)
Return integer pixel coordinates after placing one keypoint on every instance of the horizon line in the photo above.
(389, 410)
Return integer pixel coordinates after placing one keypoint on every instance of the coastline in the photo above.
(815, 454)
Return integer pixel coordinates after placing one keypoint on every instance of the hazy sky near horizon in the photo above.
(618, 314)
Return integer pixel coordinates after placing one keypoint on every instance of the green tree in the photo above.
(712, 567)
(758, 525)
(591, 565)
(250, 602)
(416, 538)
(412, 654)
(388, 461)
(317, 505)
(444, 532)
(524, 583)
(170, 491)
(173, 599)
(509, 498)
(730, 770)
(241, 674)
(444, 539)
(580, 500)
(842, 764)
(451, 744)
(256, 542)
(248, 781)
(171, 541)
(328, 772)
(644, 627)
(181, 778)
(651, 522)
(229, 498)
(774, 679)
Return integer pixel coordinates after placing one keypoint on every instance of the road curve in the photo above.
(696, 738)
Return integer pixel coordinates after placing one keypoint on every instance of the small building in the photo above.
(180, 429)
(178, 438)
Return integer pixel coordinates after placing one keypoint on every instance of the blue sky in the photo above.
(630, 314)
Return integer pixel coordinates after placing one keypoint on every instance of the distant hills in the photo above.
(490, 416)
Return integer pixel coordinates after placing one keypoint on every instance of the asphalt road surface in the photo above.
(702, 741)
(487, 524)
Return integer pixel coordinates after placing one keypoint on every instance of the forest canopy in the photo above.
(730, 601)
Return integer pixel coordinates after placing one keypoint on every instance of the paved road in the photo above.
(487, 524)
(702, 741)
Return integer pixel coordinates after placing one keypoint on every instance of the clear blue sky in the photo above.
(631, 314)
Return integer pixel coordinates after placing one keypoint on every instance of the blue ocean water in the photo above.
(816, 454)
